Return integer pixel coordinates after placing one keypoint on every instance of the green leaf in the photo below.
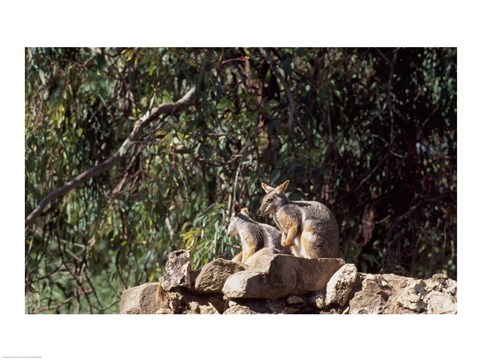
(41, 74)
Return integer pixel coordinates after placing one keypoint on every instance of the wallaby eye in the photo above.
(269, 201)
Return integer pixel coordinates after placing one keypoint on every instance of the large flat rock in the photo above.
(271, 276)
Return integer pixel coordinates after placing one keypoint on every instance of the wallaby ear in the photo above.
(237, 208)
(245, 210)
(266, 187)
(280, 189)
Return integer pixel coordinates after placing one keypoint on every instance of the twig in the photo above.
(55, 307)
(242, 58)
(91, 284)
(239, 169)
(171, 232)
(167, 108)
(77, 280)
(429, 116)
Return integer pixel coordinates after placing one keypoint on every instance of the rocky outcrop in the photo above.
(273, 283)
(394, 294)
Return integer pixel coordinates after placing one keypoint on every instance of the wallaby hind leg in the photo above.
(309, 248)
(315, 246)
(297, 248)
(249, 253)
(238, 257)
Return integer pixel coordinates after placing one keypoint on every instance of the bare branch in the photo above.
(239, 169)
(55, 307)
(167, 108)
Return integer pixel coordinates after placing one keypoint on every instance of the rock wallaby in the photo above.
(308, 227)
(253, 235)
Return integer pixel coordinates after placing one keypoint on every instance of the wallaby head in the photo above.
(239, 214)
(274, 198)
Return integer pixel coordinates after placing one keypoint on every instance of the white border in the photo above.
(246, 23)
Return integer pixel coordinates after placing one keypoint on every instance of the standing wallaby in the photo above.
(309, 227)
(253, 235)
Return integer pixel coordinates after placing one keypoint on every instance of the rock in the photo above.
(441, 283)
(278, 275)
(177, 270)
(289, 305)
(239, 309)
(196, 308)
(394, 294)
(295, 300)
(373, 296)
(440, 303)
(213, 275)
(140, 300)
(318, 299)
(273, 283)
(164, 311)
(396, 281)
(259, 255)
(239, 285)
(341, 284)
(175, 302)
(413, 295)
(186, 301)
(251, 306)
(290, 310)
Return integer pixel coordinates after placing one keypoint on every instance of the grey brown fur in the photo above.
(253, 235)
(308, 227)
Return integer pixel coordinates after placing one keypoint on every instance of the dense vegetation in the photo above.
(369, 132)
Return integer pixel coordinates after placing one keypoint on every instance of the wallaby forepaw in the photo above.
(285, 244)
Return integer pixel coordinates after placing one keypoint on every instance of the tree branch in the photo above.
(140, 124)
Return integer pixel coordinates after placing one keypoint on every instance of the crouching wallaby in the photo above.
(253, 235)
(309, 227)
